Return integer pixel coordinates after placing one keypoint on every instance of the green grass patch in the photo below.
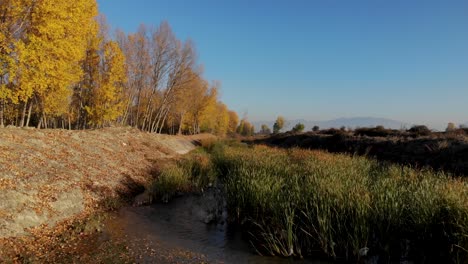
(191, 173)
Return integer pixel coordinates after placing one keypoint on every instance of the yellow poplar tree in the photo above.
(233, 122)
(13, 15)
(208, 114)
(197, 98)
(107, 103)
(51, 54)
(222, 119)
(82, 92)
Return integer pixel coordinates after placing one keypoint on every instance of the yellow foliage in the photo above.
(51, 53)
(11, 12)
(233, 122)
(222, 119)
(57, 64)
(208, 114)
(107, 103)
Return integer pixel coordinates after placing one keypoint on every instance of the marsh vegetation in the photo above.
(311, 203)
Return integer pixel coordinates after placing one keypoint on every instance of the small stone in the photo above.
(209, 218)
(363, 251)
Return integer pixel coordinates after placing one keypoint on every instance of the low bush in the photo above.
(378, 131)
(418, 131)
(332, 131)
(299, 127)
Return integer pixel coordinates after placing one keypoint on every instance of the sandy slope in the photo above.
(47, 176)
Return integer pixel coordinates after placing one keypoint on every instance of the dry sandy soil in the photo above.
(48, 176)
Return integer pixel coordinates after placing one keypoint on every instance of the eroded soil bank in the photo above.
(49, 177)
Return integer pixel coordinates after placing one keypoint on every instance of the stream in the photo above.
(188, 229)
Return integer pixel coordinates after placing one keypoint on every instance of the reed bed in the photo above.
(300, 203)
(191, 173)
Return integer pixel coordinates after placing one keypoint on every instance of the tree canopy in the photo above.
(299, 127)
(279, 124)
(54, 73)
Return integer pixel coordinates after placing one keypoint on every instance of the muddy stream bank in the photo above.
(189, 229)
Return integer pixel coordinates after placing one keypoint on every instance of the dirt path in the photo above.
(47, 176)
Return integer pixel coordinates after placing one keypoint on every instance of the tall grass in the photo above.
(300, 202)
(188, 174)
(297, 202)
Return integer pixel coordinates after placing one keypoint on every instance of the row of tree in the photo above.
(279, 125)
(60, 68)
(373, 131)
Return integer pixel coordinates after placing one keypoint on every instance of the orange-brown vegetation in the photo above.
(417, 147)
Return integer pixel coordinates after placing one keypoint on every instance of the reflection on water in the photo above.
(181, 225)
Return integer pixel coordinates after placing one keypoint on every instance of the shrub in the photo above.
(208, 143)
(420, 130)
(450, 127)
(378, 131)
(265, 130)
(299, 127)
(332, 131)
(279, 124)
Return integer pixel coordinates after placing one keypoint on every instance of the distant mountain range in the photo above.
(337, 123)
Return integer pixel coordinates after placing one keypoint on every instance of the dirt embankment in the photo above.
(444, 153)
(47, 176)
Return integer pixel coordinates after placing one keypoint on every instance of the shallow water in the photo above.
(178, 232)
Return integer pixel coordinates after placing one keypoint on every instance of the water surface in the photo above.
(178, 232)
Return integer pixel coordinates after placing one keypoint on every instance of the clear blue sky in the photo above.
(400, 59)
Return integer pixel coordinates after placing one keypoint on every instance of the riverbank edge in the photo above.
(37, 243)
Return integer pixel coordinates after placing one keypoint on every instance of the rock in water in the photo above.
(209, 218)
(363, 251)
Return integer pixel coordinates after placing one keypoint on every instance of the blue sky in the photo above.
(400, 59)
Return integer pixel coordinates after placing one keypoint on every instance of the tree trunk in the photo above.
(157, 119)
(138, 108)
(40, 123)
(45, 121)
(164, 120)
(41, 111)
(29, 113)
(23, 114)
(16, 119)
(150, 120)
(2, 107)
(69, 122)
(180, 124)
